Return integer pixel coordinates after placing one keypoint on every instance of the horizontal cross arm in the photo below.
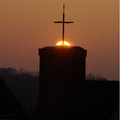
(69, 22)
(63, 22)
(58, 22)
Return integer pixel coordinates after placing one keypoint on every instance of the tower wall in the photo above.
(62, 63)
(59, 68)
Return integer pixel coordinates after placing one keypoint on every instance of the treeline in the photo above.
(95, 77)
(22, 73)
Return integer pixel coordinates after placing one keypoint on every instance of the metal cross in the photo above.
(63, 23)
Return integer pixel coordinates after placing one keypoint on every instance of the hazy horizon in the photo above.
(27, 25)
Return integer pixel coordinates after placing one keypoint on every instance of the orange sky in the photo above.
(26, 25)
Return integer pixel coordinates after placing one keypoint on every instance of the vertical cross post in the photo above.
(63, 22)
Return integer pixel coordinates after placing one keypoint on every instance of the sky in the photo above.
(26, 25)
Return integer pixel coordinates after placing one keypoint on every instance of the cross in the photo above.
(63, 23)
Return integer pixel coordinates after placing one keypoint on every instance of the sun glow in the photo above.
(63, 43)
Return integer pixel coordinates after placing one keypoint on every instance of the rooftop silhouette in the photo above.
(10, 107)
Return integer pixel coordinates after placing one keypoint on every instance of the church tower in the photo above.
(60, 66)
(62, 62)
(63, 92)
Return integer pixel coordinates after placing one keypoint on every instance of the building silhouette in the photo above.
(64, 94)
(59, 66)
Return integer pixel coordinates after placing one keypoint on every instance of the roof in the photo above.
(10, 107)
(54, 50)
(59, 47)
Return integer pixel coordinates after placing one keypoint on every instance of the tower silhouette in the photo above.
(59, 67)
(62, 62)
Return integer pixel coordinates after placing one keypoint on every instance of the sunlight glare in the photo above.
(61, 43)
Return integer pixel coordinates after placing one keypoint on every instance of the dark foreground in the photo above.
(60, 100)
(80, 100)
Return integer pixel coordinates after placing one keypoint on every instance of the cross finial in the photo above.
(63, 8)
(63, 23)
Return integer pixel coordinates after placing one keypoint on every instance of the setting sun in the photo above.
(63, 43)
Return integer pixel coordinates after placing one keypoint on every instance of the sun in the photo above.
(61, 43)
